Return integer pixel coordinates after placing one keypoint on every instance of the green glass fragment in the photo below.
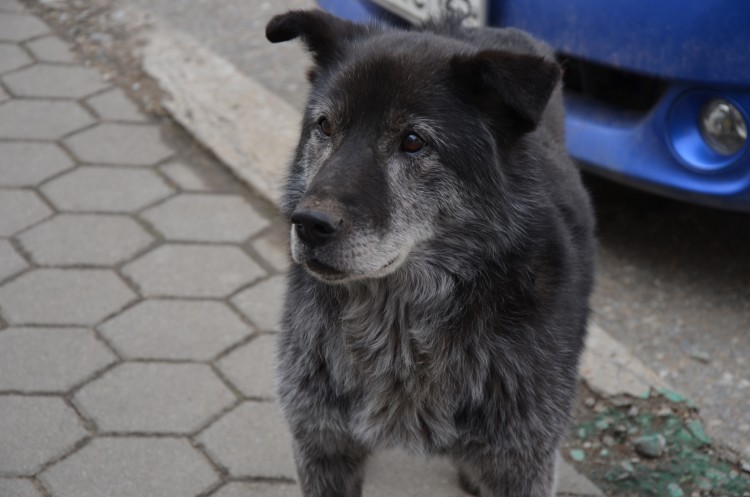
(675, 490)
(601, 424)
(672, 395)
(696, 428)
(683, 436)
(577, 455)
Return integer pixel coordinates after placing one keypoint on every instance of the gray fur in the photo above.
(458, 311)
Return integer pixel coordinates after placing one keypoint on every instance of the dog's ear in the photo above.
(323, 33)
(497, 80)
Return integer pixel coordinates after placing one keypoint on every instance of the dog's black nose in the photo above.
(314, 227)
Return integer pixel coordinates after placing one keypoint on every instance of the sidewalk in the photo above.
(139, 296)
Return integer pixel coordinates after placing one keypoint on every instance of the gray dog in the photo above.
(443, 256)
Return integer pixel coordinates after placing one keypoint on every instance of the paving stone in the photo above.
(125, 144)
(11, 6)
(12, 57)
(33, 431)
(206, 218)
(192, 271)
(394, 472)
(41, 119)
(244, 489)
(3, 95)
(51, 49)
(17, 487)
(10, 262)
(49, 359)
(262, 303)
(251, 368)
(154, 398)
(184, 177)
(274, 252)
(54, 81)
(172, 329)
(251, 441)
(114, 105)
(106, 189)
(58, 296)
(19, 27)
(85, 239)
(130, 467)
(570, 482)
(29, 163)
(20, 209)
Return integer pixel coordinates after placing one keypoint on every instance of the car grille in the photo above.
(615, 87)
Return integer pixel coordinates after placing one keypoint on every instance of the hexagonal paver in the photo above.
(172, 329)
(58, 296)
(197, 217)
(49, 359)
(85, 239)
(397, 472)
(20, 209)
(274, 251)
(12, 57)
(34, 430)
(254, 489)
(114, 105)
(10, 262)
(106, 189)
(54, 81)
(19, 27)
(17, 487)
(129, 467)
(154, 398)
(262, 303)
(253, 424)
(41, 119)
(192, 271)
(30, 163)
(251, 368)
(51, 49)
(125, 144)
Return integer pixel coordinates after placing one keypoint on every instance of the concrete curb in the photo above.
(250, 129)
(610, 369)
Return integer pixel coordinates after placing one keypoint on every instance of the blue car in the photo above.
(657, 93)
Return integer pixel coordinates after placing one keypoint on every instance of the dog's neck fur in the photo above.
(412, 332)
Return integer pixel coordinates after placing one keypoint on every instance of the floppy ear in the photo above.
(323, 33)
(498, 81)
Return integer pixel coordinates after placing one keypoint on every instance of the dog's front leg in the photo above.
(329, 464)
(506, 475)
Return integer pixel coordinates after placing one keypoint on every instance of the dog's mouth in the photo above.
(324, 271)
(331, 274)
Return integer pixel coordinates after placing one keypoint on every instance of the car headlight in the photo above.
(722, 126)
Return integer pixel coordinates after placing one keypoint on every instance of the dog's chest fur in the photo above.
(389, 364)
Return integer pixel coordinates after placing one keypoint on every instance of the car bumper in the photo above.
(661, 151)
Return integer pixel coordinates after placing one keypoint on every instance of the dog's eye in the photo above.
(412, 143)
(325, 126)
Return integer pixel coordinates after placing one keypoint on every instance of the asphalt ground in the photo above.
(673, 278)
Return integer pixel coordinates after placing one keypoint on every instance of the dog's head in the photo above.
(402, 130)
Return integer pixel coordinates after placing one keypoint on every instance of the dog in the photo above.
(443, 255)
